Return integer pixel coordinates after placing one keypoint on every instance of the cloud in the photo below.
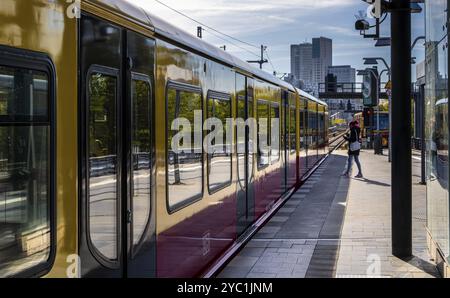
(228, 6)
(276, 24)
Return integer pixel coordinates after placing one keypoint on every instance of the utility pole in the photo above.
(262, 60)
(401, 129)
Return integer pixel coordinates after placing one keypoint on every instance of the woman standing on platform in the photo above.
(354, 147)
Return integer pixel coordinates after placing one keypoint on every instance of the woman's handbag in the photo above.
(355, 146)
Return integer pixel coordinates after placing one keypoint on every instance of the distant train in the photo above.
(87, 174)
(383, 129)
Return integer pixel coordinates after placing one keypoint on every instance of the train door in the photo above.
(117, 222)
(245, 154)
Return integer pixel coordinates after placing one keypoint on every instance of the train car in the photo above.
(92, 98)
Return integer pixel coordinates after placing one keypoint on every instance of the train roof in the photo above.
(309, 96)
(161, 27)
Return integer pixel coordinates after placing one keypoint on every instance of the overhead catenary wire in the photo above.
(270, 60)
(217, 34)
(242, 48)
(206, 26)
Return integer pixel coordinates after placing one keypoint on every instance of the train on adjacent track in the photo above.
(89, 183)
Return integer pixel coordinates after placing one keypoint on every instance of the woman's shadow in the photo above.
(373, 182)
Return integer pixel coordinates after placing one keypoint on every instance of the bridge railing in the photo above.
(340, 87)
(346, 90)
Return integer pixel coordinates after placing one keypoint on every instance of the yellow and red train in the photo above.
(89, 185)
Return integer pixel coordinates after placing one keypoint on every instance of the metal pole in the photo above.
(422, 134)
(401, 129)
(262, 57)
(378, 103)
(390, 125)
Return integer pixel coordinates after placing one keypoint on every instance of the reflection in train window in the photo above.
(312, 125)
(321, 128)
(241, 141)
(302, 129)
(275, 133)
(263, 134)
(103, 165)
(293, 129)
(141, 152)
(252, 138)
(184, 150)
(24, 170)
(219, 151)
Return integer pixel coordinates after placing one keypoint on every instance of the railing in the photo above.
(106, 165)
(346, 90)
(340, 87)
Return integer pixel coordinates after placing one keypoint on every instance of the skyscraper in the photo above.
(322, 57)
(301, 61)
(310, 61)
(343, 73)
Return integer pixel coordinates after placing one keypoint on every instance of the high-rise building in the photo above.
(322, 57)
(343, 73)
(310, 61)
(301, 61)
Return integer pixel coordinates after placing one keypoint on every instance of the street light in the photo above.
(383, 42)
(416, 41)
(374, 61)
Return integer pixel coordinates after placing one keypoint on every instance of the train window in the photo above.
(321, 128)
(219, 150)
(293, 129)
(103, 163)
(241, 141)
(263, 134)
(252, 138)
(26, 165)
(303, 130)
(274, 133)
(184, 150)
(141, 95)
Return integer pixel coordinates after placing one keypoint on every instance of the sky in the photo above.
(278, 24)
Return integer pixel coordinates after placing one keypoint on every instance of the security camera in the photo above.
(362, 25)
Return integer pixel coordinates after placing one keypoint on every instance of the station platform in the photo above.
(335, 226)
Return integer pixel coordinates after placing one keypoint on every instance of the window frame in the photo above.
(182, 87)
(292, 150)
(267, 103)
(135, 76)
(30, 60)
(112, 72)
(275, 105)
(215, 95)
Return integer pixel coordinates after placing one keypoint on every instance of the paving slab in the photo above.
(337, 227)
